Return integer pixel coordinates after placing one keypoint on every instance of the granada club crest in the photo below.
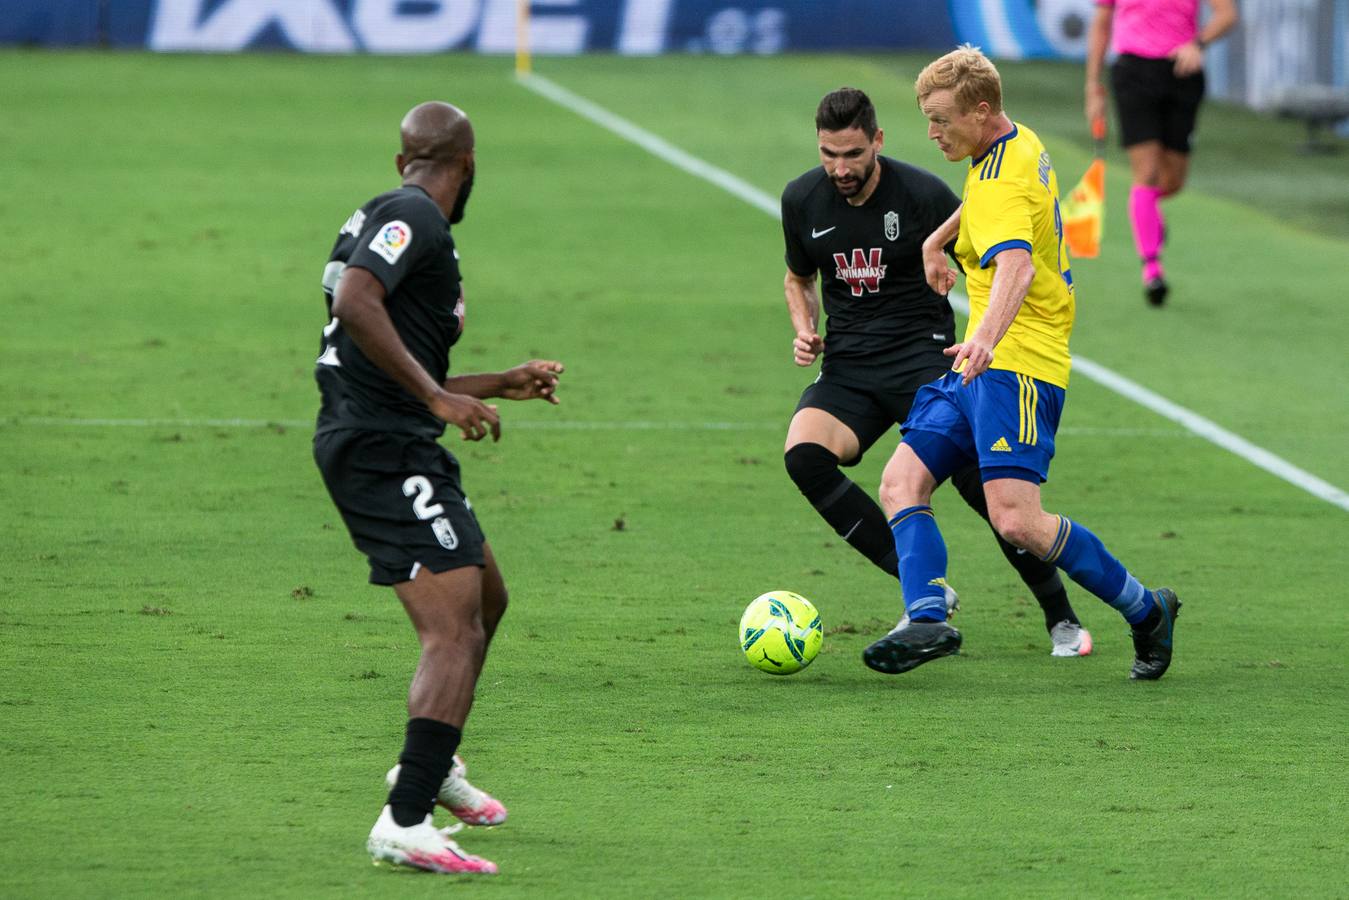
(863, 272)
(444, 532)
(892, 226)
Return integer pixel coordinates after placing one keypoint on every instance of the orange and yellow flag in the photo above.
(1084, 207)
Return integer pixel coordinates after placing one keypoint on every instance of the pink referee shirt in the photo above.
(1152, 28)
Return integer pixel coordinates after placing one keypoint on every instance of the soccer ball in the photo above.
(780, 632)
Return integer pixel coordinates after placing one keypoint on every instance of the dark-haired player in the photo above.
(856, 224)
(394, 298)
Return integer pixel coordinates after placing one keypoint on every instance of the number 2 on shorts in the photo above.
(421, 486)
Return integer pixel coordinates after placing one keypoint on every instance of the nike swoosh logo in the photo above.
(815, 234)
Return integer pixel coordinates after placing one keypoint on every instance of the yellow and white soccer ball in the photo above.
(780, 632)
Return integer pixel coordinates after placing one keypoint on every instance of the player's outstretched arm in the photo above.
(358, 304)
(533, 380)
(803, 305)
(941, 277)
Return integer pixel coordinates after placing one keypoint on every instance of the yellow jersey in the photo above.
(1012, 200)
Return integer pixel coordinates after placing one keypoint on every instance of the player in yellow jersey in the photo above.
(1001, 403)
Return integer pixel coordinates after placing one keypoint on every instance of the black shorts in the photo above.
(869, 412)
(400, 498)
(1153, 104)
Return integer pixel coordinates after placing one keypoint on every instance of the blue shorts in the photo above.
(1003, 420)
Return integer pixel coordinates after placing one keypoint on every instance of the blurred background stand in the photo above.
(1322, 107)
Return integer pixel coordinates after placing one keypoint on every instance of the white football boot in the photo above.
(465, 802)
(952, 604)
(421, 846)
(1070, 640)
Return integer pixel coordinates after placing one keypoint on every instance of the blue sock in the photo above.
(922, 563)
(1082, 555)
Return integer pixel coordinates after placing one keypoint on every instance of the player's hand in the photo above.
(974, 354)
(474, 419)
(536, 379)
(940, 277)
(807, 346)
(1095, 104)
(1188, 59)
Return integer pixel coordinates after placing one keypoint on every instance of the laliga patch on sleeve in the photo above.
(391, 240)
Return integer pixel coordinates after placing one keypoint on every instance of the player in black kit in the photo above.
(858, 223)
(395, 308)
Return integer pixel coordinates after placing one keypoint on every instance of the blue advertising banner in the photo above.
(1004, 28)
(489, 26)
(51, 23)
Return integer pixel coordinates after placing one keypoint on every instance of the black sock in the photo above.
(428, 752)
(1040, 577)
(847, 508)
(1052, 597)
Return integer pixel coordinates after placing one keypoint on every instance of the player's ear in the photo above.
(399, 162)
(879, 140)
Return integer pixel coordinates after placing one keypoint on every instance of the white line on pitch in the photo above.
(1125, 387)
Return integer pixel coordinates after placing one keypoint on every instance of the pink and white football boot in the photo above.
(465, 802)
(1069, 640)
(421, 846)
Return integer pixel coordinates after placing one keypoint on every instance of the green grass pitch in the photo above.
(199, 695)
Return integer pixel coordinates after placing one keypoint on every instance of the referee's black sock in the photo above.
(847, 508)
(428, 753)
(1041, 578)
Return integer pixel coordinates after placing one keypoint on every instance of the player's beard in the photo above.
(858, 184)
(461, 201)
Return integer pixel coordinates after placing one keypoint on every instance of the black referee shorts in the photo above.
(1153, 104)
(400, 498)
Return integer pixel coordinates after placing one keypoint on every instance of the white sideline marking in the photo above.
(1125, 387)
(658, 147)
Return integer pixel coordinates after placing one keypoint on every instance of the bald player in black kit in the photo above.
(856, 223)
(395, 307)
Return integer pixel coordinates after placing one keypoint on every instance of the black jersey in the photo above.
(884, 323)
(403, 239)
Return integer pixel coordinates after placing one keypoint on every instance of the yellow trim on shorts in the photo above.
(1028, 431)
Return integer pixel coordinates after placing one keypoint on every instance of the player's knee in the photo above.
(902, 487)
(811, 467)
(1148, 177)
(471, 639)
(1012, 522)
(456, 635)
